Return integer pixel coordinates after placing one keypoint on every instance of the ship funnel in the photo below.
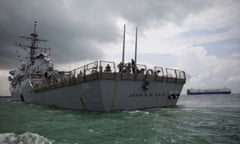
(123, 52)
(136, 47)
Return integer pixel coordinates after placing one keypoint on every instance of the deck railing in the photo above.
(108, 70)
(110, 67)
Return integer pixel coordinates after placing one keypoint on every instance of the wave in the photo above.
(138, 111)
(25, 138)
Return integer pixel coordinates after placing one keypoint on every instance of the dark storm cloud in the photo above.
(73, 28)
(70, 40)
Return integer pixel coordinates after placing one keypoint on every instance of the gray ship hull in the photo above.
(106, 94)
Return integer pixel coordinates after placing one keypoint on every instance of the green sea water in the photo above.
(205, 119)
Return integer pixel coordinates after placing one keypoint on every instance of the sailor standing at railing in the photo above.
(108, 68)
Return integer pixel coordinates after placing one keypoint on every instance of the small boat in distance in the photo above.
(208, 91)
(97, 86)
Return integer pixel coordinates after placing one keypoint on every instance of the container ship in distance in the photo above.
(208, 91)
(97, 86)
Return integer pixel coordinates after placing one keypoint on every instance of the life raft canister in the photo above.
(149, 72)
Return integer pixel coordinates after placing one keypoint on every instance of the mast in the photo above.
(136, 47)
(123, 52)
(34, 40)
(34, 36)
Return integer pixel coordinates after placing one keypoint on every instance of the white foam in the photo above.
(138, 111)
(25, 138)
(91, 130)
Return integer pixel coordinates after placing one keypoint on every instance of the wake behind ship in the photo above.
(97, 86)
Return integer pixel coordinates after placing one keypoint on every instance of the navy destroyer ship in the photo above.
(97, 86)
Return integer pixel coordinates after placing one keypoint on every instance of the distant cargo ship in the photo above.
(208, 91)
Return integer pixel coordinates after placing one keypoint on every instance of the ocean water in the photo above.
(205, 119)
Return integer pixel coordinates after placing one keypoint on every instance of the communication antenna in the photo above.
(136, 47)
(123, 52)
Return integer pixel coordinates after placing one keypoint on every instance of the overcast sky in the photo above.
(201, 37)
